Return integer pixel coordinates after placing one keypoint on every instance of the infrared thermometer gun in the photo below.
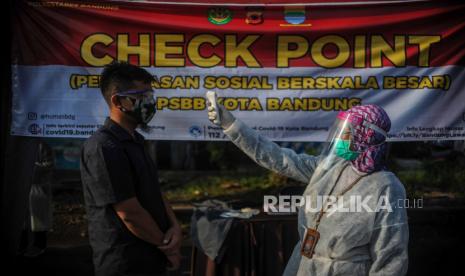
(211, 97)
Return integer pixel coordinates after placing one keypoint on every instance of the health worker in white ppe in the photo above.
(371, 239)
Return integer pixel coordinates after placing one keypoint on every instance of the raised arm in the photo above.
(263, 151)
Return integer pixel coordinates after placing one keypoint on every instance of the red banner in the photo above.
(368, 36)
(285, 69)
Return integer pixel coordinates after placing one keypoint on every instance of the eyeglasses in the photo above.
(137, 94)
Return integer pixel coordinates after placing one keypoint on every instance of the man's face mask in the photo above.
(143, 105)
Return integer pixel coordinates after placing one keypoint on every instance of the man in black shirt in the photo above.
(132, 228)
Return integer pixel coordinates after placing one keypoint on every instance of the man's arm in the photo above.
(171, 215)
(173, 237)
(139, 221)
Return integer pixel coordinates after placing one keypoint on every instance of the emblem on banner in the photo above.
(34, 129)
(219, 15)
(195, 131)
(295, 17)
(254, 16)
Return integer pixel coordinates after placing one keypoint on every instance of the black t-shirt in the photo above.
(116, 167)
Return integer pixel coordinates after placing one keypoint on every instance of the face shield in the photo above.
(347, 138)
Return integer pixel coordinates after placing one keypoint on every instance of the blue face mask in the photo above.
(342, 148)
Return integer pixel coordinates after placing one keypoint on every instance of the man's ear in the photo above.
(115, 101)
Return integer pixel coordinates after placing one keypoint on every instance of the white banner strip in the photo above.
(292, 104)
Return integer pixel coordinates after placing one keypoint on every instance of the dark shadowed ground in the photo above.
(437, 239)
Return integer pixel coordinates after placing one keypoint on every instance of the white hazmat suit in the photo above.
(370, 241)
(358, 243)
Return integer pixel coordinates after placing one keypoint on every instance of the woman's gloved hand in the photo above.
(220, 116)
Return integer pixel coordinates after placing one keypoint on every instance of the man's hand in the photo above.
(220, 115)
(171, 240)
(175, 260)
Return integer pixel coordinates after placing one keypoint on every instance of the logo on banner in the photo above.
(219, 15)
(195, 131)
(34, 129)
(32, 116)
(295, 17)
(254, 16)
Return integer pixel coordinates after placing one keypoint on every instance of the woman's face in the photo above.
(346, 134)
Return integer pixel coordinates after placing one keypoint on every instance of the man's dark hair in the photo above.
(121, 75)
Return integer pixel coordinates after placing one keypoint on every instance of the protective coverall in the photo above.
(351, 243)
